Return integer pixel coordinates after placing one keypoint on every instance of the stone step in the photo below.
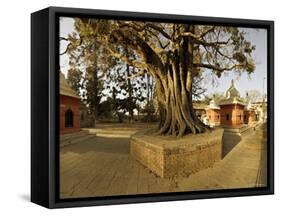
(76, 138)
(69, 136)
(242, 131)
(112, 133)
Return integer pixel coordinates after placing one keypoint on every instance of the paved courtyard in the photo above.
(102, 166)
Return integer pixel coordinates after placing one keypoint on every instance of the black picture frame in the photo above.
(45, 113)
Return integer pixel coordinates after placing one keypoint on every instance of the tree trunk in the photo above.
(120, 117)
(130, 97)
(93, 120)
(174, 79)
(92, 93)
(148, 103)
(177, 116)
(95, 97)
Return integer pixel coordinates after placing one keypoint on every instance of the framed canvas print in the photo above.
(140, 107)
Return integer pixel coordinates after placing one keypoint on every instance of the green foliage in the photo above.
(108, 53)
(124, 92)
(74, 78)
(105, 109)
(217, 96)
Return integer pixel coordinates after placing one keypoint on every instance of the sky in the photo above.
(243, 82)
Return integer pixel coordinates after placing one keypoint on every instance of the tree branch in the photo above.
(69, 44)
(195, 36)
(142, 72)
(129, 38)
(212, 44)
(126, 59)
(159, 29)
(217, 68)
(63, 38)
(139, 28)
(66, 50)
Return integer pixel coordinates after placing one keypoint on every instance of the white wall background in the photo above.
(15, 106)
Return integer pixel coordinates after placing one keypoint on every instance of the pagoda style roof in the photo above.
(65, 88)
(232, 96)
(232, 101)
(232, 91)
(213, 105)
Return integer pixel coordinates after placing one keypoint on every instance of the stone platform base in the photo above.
(173, 157)
(241, 130)
(76, 137)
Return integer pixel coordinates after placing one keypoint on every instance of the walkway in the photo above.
(102, 166)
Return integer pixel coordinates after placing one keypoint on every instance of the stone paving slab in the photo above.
(102, 166)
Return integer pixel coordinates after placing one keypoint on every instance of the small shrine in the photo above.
(69, 108)
(250, 115)
(213, 113)
(232, 108)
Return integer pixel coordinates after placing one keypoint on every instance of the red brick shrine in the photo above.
(232, 108)
(213, 113)
(69, 108)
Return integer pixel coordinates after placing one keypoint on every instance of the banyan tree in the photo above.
(174, 54)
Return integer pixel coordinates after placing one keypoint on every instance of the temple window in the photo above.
(69, 118)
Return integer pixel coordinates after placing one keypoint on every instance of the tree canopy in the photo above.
(174, 54)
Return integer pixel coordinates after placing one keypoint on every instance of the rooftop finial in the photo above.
(232, 82)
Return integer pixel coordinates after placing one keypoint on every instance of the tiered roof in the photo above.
(65, 88)
(232, 96)
(213, 105)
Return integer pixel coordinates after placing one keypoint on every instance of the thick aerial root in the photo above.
(173, 127)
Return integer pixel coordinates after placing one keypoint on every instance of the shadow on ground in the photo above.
(114, 145)
(262, 178)
(229, 141)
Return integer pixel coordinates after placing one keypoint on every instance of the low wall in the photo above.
(242, 130)
(174, 157)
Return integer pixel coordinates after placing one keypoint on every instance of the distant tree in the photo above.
(105, 109)
(75, 79)
(93, 92)
(117, 105)
(198, 89)
(217, 96)
(254, 95)
(88, 62)
(148, 108)
(174, 54)
(125, 90)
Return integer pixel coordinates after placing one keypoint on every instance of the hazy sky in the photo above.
(244, 83)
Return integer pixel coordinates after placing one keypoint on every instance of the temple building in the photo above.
(69, 108)
(261, 111)
(250, 114)
(232, 111)
(213, 113)
(232, 108)
(200, 109)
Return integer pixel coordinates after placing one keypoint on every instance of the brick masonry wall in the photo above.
(184, 163)
(149, 155)
(234, 111)
(214, 117)
(178, 156)
(72, 103)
